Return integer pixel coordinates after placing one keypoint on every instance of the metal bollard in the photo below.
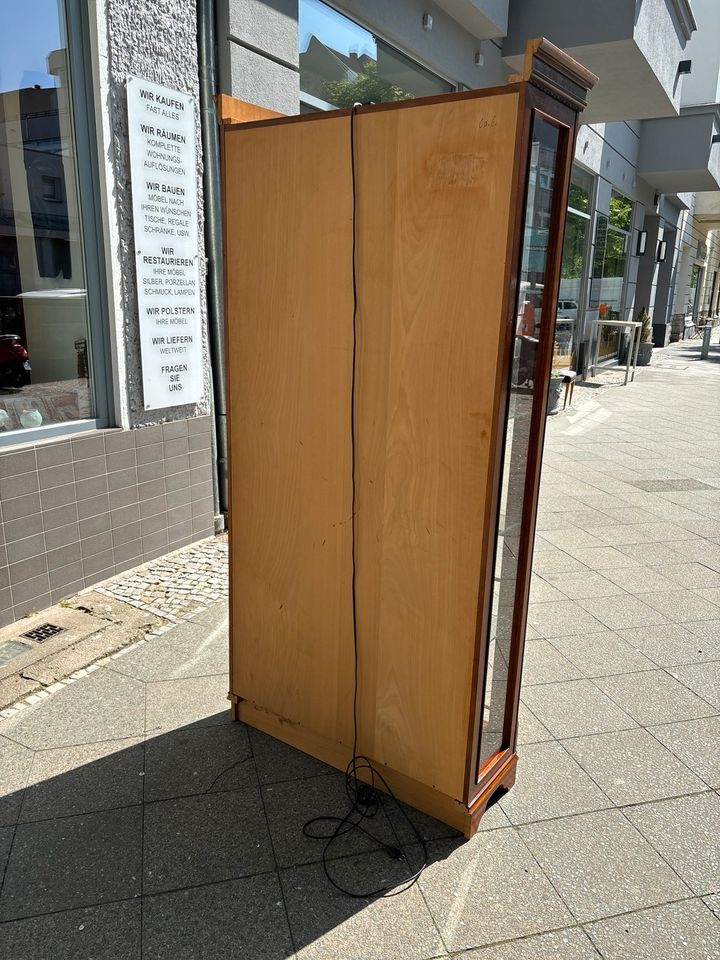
(707, 333)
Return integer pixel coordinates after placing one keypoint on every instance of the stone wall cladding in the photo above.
(158, 42)
(74, 512)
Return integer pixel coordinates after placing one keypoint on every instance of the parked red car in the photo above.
(14, 362)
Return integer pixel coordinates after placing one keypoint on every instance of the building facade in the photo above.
(646, 167)
(94, 478)
(91, 482)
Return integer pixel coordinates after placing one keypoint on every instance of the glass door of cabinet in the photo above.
(525, 392)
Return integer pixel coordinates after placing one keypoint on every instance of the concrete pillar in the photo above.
(647, 264)
(665, 281)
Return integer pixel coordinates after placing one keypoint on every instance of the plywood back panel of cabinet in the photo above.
(434, 195)
(434, 202)
(289, 304)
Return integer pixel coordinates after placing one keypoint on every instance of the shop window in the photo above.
(44, 373)
(581, 190)
(573, 271)
(620, 212)
(341, 64)
(607, 287)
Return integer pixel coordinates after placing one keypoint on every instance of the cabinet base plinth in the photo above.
(419, 795)
(503, 779)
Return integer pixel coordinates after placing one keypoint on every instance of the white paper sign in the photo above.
(164, 201)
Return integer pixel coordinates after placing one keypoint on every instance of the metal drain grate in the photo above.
(43, 632)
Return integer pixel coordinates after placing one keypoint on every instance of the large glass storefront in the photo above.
(341, 64)
(44, 343)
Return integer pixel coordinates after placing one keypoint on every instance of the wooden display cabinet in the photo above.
(446, 216)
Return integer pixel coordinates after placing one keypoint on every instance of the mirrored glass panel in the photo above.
(44, 366)
(523, 387)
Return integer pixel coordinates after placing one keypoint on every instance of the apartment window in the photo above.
(52, 189)
(44, 338)
(572, 274)
(545, 178)
(341, 63)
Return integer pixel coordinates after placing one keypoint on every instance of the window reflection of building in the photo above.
(42, 285)
(42, 155)
(537, 224)
(341, 63)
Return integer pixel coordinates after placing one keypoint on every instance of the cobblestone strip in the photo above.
(177, 585)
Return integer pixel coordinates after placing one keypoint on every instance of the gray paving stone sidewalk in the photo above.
(138, 823)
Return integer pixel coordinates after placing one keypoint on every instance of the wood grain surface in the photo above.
(434, 190)
(289, 304)
(433, 215)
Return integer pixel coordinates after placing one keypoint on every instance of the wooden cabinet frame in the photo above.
(552, 88)
(560, 109)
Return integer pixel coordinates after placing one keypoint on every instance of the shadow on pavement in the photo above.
(189, 844)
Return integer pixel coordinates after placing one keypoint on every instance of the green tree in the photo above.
(573, 247)
(368, 87)
(621, 212)
(579, 198)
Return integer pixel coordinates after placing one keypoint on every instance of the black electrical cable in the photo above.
(366, 799)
